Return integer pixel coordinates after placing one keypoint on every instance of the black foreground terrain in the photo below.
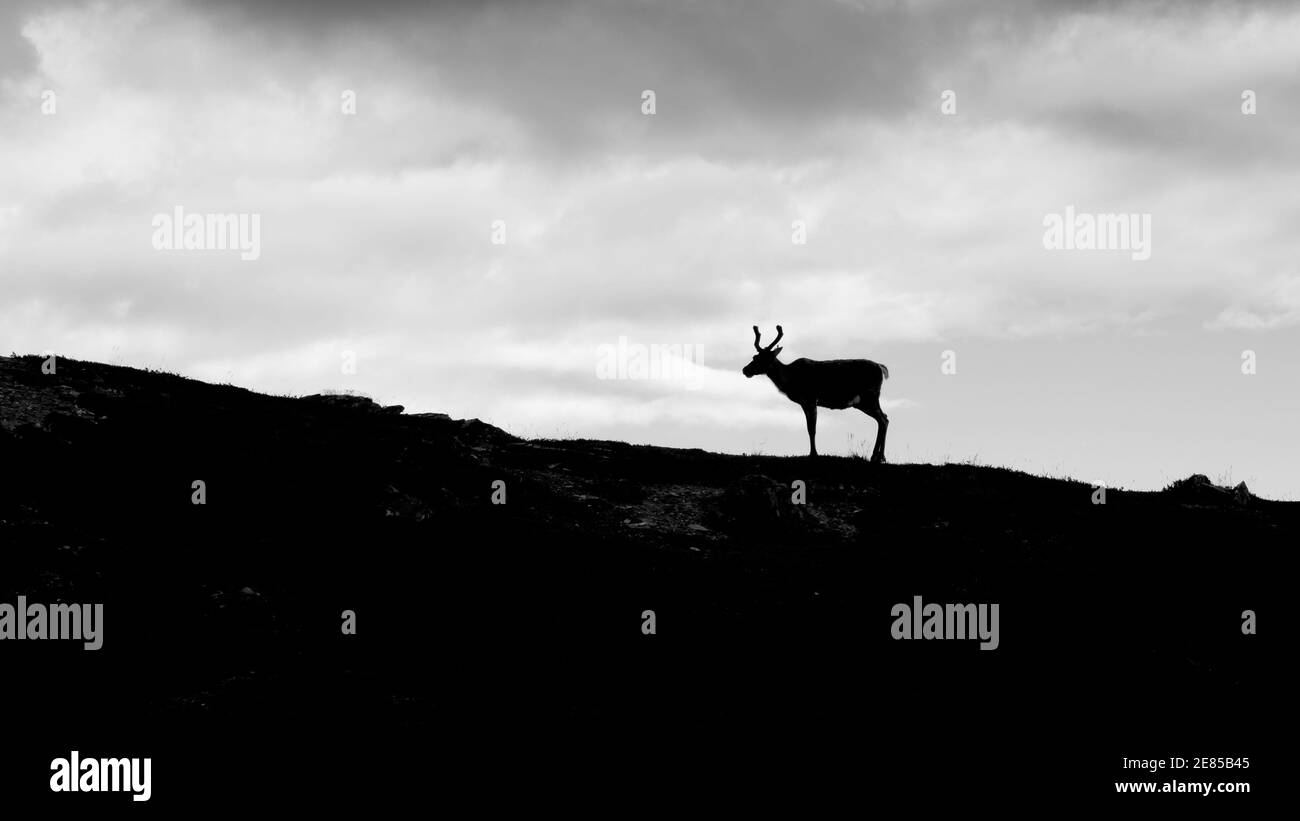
(500, 645)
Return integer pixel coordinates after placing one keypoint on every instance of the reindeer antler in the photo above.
(757, 336)
(779, 333)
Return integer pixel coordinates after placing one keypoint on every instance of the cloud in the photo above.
(1276, 306)
(923, 230)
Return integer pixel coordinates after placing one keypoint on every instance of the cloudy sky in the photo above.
(923, 213)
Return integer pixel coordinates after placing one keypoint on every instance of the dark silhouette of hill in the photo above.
(507, 632)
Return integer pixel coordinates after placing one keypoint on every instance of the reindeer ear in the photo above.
(777, 351)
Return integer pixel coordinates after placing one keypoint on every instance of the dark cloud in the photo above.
(735, 81)
(16, 54)
(17, 57)
(733, 75)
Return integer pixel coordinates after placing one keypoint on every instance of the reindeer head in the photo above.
(765, 356)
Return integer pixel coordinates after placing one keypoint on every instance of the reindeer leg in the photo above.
(871, 407)
(810, 413)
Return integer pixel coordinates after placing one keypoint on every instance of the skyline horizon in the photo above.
(841, 433)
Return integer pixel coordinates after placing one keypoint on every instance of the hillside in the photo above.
(477, 619)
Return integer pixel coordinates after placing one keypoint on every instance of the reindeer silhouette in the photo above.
(829, 383)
